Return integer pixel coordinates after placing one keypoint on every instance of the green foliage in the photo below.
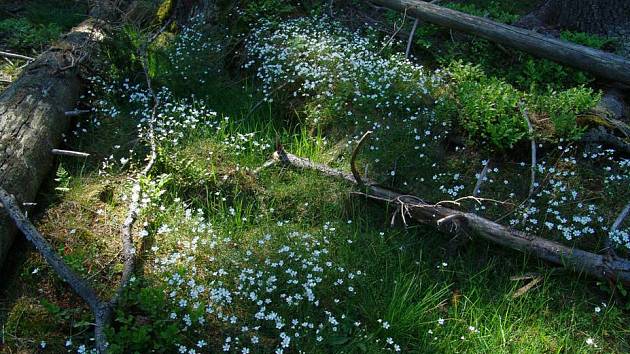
(164, 10)
(21, 34)
(587, 39)
(492, 10)
(62, 177)
(563, 108)
(488, 107)
(141, 323)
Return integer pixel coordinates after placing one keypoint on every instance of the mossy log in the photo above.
(32, 118)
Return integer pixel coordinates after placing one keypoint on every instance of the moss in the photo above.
(27, 318)
(164, 10)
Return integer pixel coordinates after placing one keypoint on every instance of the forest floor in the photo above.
(286, 260)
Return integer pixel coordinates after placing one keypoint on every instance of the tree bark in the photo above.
(593, 16)
(32, 117)
(600, 63)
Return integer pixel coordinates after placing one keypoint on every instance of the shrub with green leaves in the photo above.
(488, 108)
(21, 34)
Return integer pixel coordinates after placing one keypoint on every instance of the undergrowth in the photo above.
(290, 261)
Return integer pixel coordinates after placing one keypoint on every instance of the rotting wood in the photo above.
(32, 117)
(606, 65)
(453, 221)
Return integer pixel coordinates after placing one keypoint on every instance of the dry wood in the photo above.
(32, 117)
(77, 112)
(530, 128)
(15, 56)
(600, 63)
(527, 287)
(480, 179)
(410, 40)
(453, 221)
(69, 153)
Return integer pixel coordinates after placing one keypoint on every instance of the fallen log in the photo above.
(32, 117)
(600, 63)
(455, 222)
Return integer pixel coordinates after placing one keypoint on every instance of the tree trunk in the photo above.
(600, 63)
(32, 118)
(593, 16)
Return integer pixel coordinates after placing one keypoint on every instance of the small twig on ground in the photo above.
(530, 128)
(410, 40)
(481, 178)
(520, 292)
(76, 282)
(470, 197)
(15, 56)
(267, 163)
(77, 112)
(69, 153)
(353, 167)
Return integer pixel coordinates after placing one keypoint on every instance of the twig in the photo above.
(69, 153)
(482, 176)
(76, 282)
(15, 56)
(520, 292)
(267, 163)
(128, 249)
(533, 149)
(410, 40)
(353, 167)
(77, 112)
(470, 197)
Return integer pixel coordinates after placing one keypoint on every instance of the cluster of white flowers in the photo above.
(269, 289)
(562, 204)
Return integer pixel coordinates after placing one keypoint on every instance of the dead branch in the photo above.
(481, 178)
(129, 251)
(453, 221)
(620, 218)
(530, 128)
(15, 56)
(410, 40)
(77, 112)
(527, 287)
(76, 282)
(69, 153)
(353, 167)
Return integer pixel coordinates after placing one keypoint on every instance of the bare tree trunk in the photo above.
(593, 16)
(32, 117)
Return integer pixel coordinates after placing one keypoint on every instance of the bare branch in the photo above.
(69, 153)
(355, 152)
(76, 282)
(15, 56)
(481, 178)
(532, 184)
(620, 218)
(410, 40)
